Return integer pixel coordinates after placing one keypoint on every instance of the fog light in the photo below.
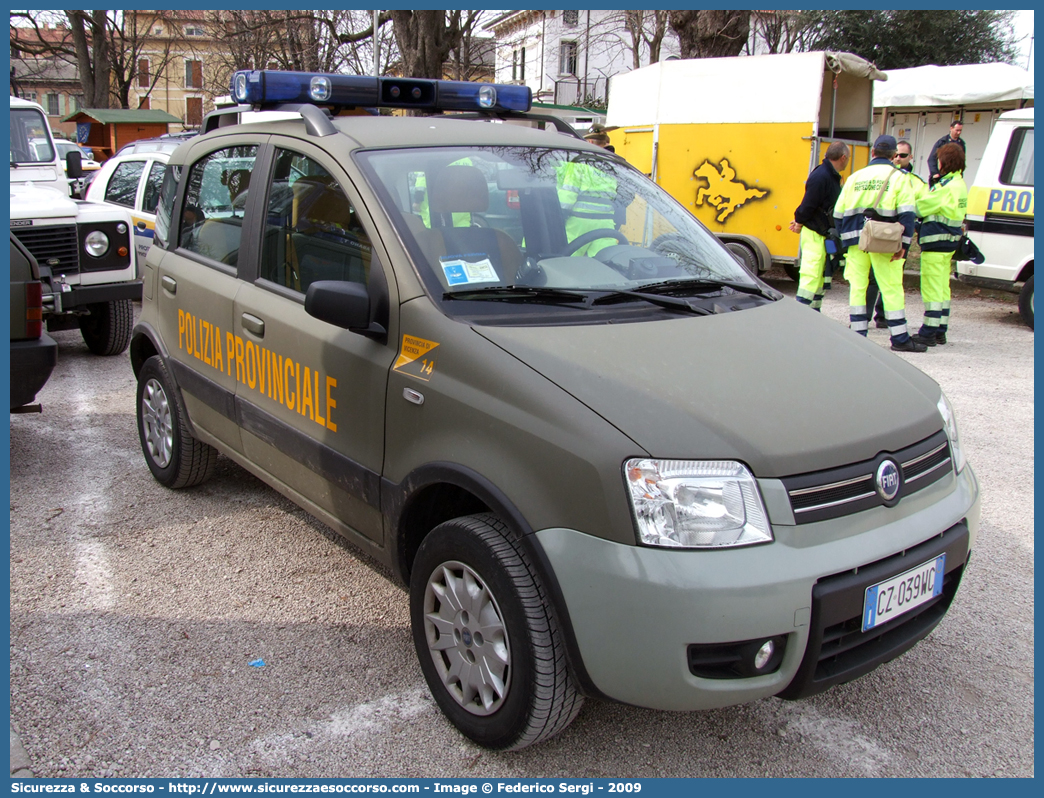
(121, 228)
(764, 655)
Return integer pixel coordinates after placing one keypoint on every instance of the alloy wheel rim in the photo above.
(155, 417)
(467, 639)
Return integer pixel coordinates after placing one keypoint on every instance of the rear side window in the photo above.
(152, 188)
(165, 207)
(1018, 163)
(215, 203)
(123, 185)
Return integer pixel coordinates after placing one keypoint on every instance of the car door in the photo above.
(311, 395)
(198, 279)
(144, 215)
(134, 184)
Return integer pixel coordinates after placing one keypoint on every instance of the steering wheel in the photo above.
(593, 235)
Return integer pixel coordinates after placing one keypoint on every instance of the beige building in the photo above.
(179, 68)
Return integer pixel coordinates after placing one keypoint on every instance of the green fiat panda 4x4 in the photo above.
(504, 363)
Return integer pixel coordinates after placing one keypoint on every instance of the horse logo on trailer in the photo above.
(723, 191)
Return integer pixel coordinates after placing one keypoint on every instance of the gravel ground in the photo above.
(136, 612)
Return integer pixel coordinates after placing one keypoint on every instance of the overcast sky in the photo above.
(1024, 28)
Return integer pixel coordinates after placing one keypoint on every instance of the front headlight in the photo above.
(695, 504)
(950, 425)
(96, 243)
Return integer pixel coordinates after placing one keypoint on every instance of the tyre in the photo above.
(793, 271)
(745, 255)
(107, 329)
(486, 637)
(1026, 302)
(175, 458)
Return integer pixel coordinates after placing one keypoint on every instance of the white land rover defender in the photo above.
(84, 249)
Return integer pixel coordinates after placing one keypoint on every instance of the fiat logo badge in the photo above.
(886, 480)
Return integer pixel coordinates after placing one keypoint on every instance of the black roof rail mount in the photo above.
(317, 120)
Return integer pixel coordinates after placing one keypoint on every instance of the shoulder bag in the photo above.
(878, 235)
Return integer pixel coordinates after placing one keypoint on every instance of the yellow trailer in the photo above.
(733, 139)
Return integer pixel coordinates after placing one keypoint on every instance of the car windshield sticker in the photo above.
(468, 269)
(417, 357)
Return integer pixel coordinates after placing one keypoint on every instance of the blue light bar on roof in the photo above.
(268, 87)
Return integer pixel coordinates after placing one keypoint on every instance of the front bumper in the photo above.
(633, 611)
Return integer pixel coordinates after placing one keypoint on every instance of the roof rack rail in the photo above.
(559, 124)
(317, 120)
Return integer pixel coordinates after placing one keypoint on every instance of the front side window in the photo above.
(544, 230)
(312, 230)
(123, 185)
(215, 203)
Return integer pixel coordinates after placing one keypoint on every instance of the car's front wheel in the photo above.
(107, 328)
(175, 458)
(486, 636)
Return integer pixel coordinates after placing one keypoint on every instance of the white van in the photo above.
(1000, 211)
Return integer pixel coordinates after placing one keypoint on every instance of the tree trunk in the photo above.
(711, 34)
(93, 55)
(425, 40)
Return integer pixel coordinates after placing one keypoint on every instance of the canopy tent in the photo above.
(965, 85)
(918, 105)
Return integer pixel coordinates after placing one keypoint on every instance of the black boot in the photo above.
(909, 345)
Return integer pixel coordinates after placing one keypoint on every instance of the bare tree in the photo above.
(105, 46)
(711, 34)
(311, 41)
(782, 31)
(648, 28)
(426, 38)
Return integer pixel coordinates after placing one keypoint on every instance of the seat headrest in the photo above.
(458, 189)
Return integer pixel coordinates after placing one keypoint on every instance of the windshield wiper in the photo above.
(521, 293)
(668, 302)
(674, 287)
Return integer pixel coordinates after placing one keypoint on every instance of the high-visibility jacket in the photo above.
(917, 184)
(586, 195)
(898, 203)
(942, 212)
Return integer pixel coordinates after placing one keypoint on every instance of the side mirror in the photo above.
(74, 165)
(342, 304)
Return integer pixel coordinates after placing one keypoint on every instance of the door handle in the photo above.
(169, 284)
(254, 325)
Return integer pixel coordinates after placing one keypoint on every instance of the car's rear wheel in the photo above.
(486, 636)
(175, 458)
(1026, 302)
(107, 328)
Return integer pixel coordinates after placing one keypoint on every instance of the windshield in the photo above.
(482, 219)
(29, 140)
